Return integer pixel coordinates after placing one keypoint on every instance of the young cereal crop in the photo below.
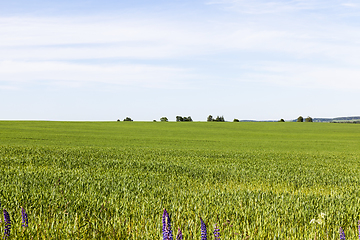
(248, 190)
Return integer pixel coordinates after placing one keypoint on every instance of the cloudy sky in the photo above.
(245, 59)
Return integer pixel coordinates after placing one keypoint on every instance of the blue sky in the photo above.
(104, 60)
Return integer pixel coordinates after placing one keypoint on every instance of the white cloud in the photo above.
(351, 5)
(279, 6)
(305, 75)
(80, 74)
(67, 39)
(84, 38)
(45, 48)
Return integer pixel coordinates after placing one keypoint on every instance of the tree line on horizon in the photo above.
(210, 118)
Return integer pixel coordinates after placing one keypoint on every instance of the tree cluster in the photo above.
(308, 119)
(183, 119)
(164, 119)
(127, 119)
(301, 119)
(217, 119)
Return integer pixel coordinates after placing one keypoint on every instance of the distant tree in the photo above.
(127, 119)
(300, 119)
(188, 119)
(236, 120)
(219, 119)
(118, 120)
(179, 119)
(164, 119)
(154, 120)
(210, 118)
(281, 120)
(308, 119)
(183, 119)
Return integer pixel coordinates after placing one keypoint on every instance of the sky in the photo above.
(92, 60)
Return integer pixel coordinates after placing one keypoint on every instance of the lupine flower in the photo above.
(179, 235)
(359, 228)
(24, 217)
(342, 234)
(216, 232)
(164, 225)
(203, 230)
(7, 224)
(167, 233)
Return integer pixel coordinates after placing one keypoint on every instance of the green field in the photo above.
(112, 180)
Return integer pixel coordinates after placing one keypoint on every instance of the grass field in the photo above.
(111, 180)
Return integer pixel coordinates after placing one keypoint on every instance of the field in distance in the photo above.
(111, 180)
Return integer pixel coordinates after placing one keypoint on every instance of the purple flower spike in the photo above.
(216, 232)
(167, 233)
(179, 235)
(203, 230)
(164, 224)
(7, 224)
(342, 234)
(24, 218)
